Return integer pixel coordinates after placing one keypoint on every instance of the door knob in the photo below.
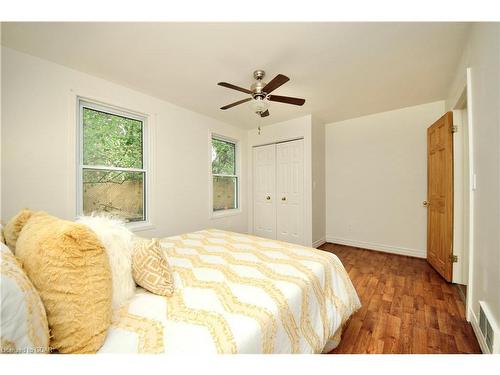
(426, 204)
(268, 198)
(283, 199)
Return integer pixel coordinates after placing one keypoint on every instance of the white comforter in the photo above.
(236, 293)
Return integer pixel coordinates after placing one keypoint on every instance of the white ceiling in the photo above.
(343, 70)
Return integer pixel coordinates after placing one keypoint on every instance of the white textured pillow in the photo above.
(118, 241)
(24, 327)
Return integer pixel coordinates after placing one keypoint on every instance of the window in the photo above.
(224, 175)
(112, 173)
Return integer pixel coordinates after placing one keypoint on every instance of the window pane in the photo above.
(111, 140)
(117, 193)
(223, 157)
(225, 193)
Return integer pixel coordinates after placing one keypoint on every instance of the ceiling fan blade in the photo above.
(275, 83)
(236, 103)
(265, 113)
(230, 86)
(286, 99)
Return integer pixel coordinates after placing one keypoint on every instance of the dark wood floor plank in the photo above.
(407, 307)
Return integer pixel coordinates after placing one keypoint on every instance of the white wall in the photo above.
(482, 56)
(318, 183)
(376, 179)
(39, 146)
(279, 132)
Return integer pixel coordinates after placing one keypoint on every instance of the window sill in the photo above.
(140, 226)
(225, 213)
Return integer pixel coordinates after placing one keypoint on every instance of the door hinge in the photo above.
(454, 129)
(454, 258)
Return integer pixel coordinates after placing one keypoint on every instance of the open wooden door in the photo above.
(440, 196)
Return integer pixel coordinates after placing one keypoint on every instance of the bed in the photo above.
(237, 293)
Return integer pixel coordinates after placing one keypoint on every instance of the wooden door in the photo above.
(440, 195)
(264, 191)
(290, 190)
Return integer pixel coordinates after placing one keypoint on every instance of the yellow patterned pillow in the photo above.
(24, 327)
(69, 267)
(150, 268)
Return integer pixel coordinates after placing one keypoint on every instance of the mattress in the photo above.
(237, 293)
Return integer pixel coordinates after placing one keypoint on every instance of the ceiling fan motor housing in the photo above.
(259, 74)
(258, 85)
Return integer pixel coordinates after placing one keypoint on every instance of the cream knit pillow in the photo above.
(24, 327)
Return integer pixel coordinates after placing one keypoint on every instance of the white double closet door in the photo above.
(278, 191)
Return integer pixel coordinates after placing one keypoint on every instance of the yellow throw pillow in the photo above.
(69, 267)
(150, 268)
(14, 226)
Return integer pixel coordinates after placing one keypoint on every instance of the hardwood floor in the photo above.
(407, 306)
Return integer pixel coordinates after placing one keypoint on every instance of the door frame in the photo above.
(468, 184)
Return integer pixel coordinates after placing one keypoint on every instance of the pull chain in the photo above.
(260, 121)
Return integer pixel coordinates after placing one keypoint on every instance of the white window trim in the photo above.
(234, 211)
(88, 103)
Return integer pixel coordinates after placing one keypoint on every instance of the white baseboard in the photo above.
(477, 331)
(319, 242)
(378, 247)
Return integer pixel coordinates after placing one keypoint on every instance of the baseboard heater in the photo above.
(489, 329)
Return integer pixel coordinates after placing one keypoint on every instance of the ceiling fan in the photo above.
(260, 93)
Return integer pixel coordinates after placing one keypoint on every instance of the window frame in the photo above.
(113, 110)
(232, 211)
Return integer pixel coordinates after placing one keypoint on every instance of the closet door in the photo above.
(290, 190)
(264, 191)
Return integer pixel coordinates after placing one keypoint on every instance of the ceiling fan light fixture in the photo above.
(259, 105)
